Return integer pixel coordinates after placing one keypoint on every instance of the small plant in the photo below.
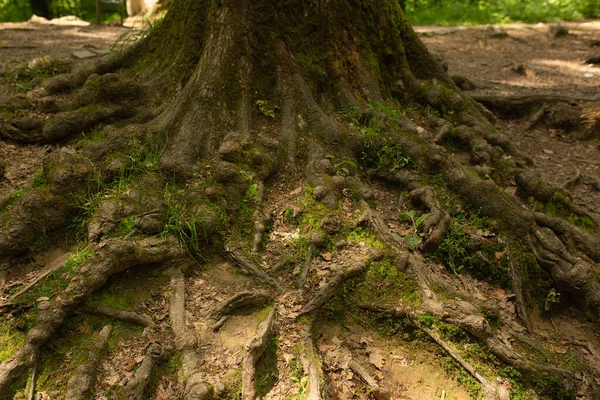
(266, 108)
(134, 35)
(553, 297)
(412, 239)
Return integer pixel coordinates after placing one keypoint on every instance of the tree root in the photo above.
(328, 291)
(312, 365)
(568, 233)
(436, 225)
(516, 276)
(491, 391)
(248, 267)
(136, 387)
(255, 348)
(120, 315)
(378, 392)
(81, 383)
(305, 268)
(219, 312)
(195, 387)
(112, 256)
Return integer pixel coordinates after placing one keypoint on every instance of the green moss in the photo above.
(365, 235)
(59, 279)
(559, 206)
(384, 282)
(11, 339)
(266, 368)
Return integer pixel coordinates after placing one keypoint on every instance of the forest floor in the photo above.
(519, 60)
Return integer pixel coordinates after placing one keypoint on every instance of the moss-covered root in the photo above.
(219, 312)
(312, 365)
(112, 256)
(195, 387)
(46, 208)
(136, 387)
(255, 348)
(82, 381)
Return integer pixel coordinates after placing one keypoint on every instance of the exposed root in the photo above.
(136, 387)
(248, 267)
(379, 392)
(436, 225)
(219, 312)
(195, 386)
(82, 381)
(312, 366)
(112, 256)
(570, 273)
(569, 233)
(516, 276)
(305, 268)
(34, 373)
(491, 391)
(120, 315)
(328, 291)
(255, 348)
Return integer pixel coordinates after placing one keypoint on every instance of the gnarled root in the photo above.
(195, 387)
(255, 348)
(112, 256)
(137, 385)
(81, 382)
(219, 312)
(436, 225)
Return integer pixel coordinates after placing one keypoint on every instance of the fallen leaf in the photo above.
(326, 256)
(375, 357)
(296, 191)
(499, 254)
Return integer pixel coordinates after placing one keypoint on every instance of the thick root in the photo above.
(136, 387)
(81, 383)
(255, 348)
(312, 366)
(195, 387)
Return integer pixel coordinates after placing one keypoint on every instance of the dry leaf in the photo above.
(326, 256)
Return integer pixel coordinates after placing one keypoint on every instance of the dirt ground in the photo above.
(515, 59)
